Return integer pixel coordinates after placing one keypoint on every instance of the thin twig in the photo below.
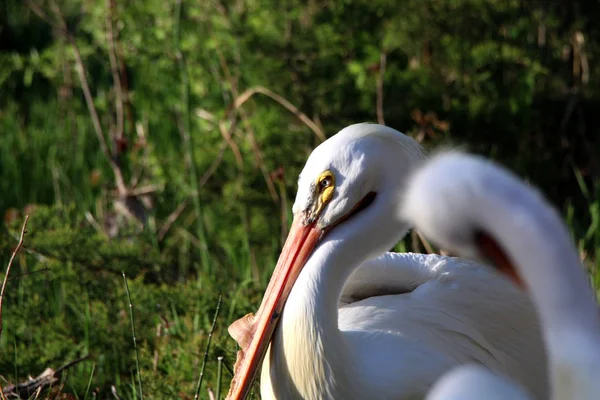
(12, 278)
(114, 392)
(242, 98)
(39, 12)
(92, 221)
(259, 157)
(426, 244)
(137, 358)
(226, 133)
(142, 190)
(112, 55)
(71, 363)
(170, 220)
(213, 167)
(380, 76)
(212, 329)
(12, 257)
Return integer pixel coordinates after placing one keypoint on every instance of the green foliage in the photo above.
(515, 80)
(66, 299)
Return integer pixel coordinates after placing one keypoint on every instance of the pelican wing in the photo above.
(395, 273)
(460, 308)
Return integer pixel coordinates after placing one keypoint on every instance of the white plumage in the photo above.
(474, 382)
(387, 329)
(478, 209)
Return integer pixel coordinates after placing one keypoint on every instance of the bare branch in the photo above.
(81, 72)
(34, 386)
(12, 257)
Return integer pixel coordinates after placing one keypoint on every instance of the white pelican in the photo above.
(477, 209)
(401, 320)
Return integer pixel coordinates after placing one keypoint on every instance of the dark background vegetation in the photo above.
(163, 139)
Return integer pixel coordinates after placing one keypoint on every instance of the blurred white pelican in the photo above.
(478, 209)
(394, 326)
(475, 382)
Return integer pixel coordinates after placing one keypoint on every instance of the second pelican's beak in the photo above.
(253, 332)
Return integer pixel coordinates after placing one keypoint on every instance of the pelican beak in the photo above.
(253, 332)
(492, 250)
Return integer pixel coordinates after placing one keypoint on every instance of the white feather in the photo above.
(474, 382)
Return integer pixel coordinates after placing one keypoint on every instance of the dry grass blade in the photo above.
(211, 395)
(12, 257)
(170, 220)
(426, 244)
(114, 392)
(260, 161)
(242, 98)
(226, 133)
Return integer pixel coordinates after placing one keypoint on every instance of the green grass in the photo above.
(69, 310)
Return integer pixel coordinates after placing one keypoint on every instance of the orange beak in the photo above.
(253, 332)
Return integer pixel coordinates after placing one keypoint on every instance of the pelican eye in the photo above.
(324, 186)
(325, 183)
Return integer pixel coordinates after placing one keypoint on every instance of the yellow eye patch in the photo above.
(325, 185)
(323, 193)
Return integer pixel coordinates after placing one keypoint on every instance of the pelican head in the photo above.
(455, 197)
(341, 179)
(341, 173)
